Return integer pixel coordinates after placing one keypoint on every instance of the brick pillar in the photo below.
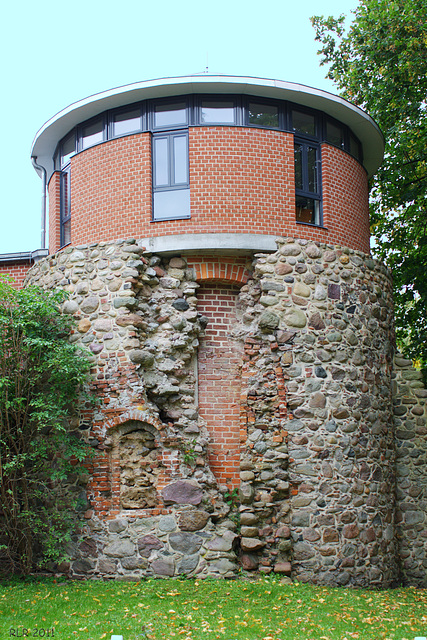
(219, 364)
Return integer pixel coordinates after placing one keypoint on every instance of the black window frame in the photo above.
(172, 186)
(64, 203)
(305, 191)
(104, 130)
(218, 97)
(269, 103)
(129, 107)
(151, 112)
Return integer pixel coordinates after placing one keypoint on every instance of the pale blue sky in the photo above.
(55, 53)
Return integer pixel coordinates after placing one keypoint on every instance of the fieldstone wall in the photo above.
(318, 484)
(319, 413)
(137, 316)
(411, 470)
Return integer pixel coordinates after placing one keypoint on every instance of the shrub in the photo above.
(41, 378)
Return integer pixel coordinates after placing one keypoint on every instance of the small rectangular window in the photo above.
(171, 188)
(68, 149)
(304, 123)
(170, 114)
(92, 133)
(125, 122)
(355, 147)
(335, 134)
(217, 112)
(263, 115)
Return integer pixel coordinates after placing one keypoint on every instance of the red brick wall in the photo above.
(111, 191)
(54, 212)
(242, 180)
(345, 197)
(16, 270)
(219, 362)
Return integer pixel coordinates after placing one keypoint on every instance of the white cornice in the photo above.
(48, 136)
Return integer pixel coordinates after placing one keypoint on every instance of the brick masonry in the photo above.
(17, 270)
(241, 180)
(219, 361)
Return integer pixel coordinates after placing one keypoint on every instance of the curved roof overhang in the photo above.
(363, 126)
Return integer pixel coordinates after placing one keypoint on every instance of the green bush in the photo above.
(41, 378)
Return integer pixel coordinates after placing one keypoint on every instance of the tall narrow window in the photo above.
(307, 183)
(171, 187)
(65, 207)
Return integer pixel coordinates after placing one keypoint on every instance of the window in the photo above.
(217, 112)
(65, 207)
(263, 115)
(335, 134)
(126, 122)
(307, 182)
(91, 133)
(170, 114)
(171, 187)
(304, 123)
(68, 149)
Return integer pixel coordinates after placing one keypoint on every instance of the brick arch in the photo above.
(220, 269)
(132, 416)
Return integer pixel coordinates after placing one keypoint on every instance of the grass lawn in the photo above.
(193, 610)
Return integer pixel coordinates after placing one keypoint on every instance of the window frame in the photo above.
(64, 203)
(219, 97)
(305, 192)
(172, 185)
(130, 107)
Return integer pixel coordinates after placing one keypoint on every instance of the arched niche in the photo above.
(135, 458)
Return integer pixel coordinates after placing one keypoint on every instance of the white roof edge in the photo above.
(48, 136)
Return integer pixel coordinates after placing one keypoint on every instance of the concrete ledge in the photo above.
(234, 243)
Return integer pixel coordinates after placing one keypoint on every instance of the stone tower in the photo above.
(213, 234)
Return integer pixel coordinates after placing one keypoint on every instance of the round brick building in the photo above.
(213, 234)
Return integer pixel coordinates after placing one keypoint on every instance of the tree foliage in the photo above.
(379, 62)
(41, 376)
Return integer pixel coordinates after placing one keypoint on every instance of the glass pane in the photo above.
(92, 134)
(298, 166)
(312, 169)
(170, 114)
(161, 162)
(263, 115)
(307, 210)
(66, 232)
(68, 149)
(354, 147)
(126, 122)
(218, 112)
(174, 203)
(65, 195)
(303, 123)
(180, 156)
(335, 134)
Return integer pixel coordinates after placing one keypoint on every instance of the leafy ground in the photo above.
(192, 610)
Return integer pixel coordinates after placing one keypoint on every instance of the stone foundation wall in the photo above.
(411, 470)
(314, 413)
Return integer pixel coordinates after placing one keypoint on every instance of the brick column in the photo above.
(219, 380)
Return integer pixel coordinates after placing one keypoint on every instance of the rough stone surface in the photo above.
(322, 448)
(182, 492)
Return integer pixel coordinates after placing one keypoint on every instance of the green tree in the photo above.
(379, 62)
(41, 377)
